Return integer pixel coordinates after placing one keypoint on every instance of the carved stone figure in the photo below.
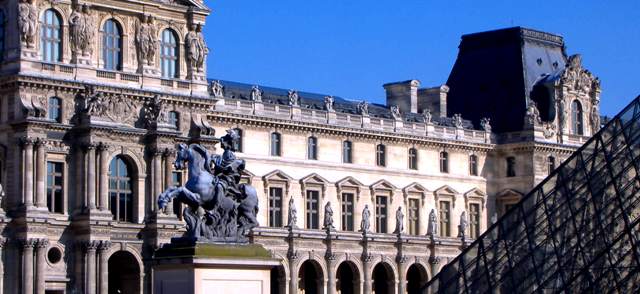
(432, 229)
(562, 113)
(115, 108)
(1, 198)
(532, 116)
(363, 108)
(594, 117)
(549, 130)
(292, 220)
(365, 222)
(328, 103)
(81, 30)
(294, 98)
(457, 120)
(462, 227)
(27, 21)
(256, 94)
(426, 113)
(196, 48)
(395, 112)
(399, 221)
(146, 40)
(227, 208)
(93, 102)
(485, 123)
(154, 112)
(217, 89)
(328, 217)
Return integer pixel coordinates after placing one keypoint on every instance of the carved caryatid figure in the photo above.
(328, 217)
(217, 89)
(426, 113)
(485, 124)
(432, 229)
(256, 94)
(328, 103)
(365, 222)
(462, 227)
(457, 120)
(294, 98)
(196, 48)
(399, 221)
(292, 220)
(81, 30)
(27, 21)
(146, 42)
(395, 112)
(363, 108)
(532, 115)
(562, 113)
(154, 112)
(594, 117)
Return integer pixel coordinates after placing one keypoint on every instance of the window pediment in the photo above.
(349, 184)
(382, 186)
(476, 195)
(415, 188)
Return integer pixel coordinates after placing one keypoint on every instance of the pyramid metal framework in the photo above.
(576, 232)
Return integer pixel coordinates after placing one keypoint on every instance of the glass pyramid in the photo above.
(576, 232)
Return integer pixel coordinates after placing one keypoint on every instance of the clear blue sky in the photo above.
(349, 48)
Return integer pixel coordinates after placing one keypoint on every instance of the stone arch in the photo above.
(384, 277)
(125, 272)
(349, 277)
(133, 158)
(280, 275)
(137, 178)
(311, 274)
(417, 276)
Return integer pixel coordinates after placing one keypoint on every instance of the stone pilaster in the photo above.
(169, 157)
(103, 199)
(27, 265)
(90, 176)
(103, 270)
(90, 266)
(41, 166)
(368, 279)
(27, 171)
(41, 253)
(331, 275)
(157, 179)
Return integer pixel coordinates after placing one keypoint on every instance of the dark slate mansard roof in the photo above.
(242, 91)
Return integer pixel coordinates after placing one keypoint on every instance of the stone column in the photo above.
(157, 179)
(90, 157)
(368, 279)
(402, 277)
(293, 279)
(168, 177)
(3, 241)
(103, 201)
(27, 182)
(27, 265)
(90, 272)
(41, 166)
(80, 199)
(331, 275)
(103, 269)
(41, 248)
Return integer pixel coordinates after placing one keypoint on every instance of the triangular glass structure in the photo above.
(576, 232)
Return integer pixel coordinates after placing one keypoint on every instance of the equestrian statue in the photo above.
(217, 207)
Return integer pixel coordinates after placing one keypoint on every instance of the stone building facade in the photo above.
(95, 95)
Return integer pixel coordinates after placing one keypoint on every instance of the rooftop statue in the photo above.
(218, 208)
(399, 221)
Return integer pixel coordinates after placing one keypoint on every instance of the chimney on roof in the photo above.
(404, 95)
(434, 99)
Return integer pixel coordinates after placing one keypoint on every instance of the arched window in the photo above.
(54, 112)
(50, 36)
(174, 119)
(473, 165)
(2, 25)
(276, 142)
(121, 190)
(444, 162)
(312, 148)
(413, 158)
(576, 118)
(347, 152)
(238, 144)
(112, 45)
(169, 54)
(381, 155)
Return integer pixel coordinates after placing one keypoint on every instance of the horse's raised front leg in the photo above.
(166, 196)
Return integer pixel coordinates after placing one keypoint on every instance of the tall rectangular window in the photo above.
(347, 211)
(381, 155)
(312, 148)
(414, 216)
(312, 212)
(381, 214)
(55, 107)
(473, 165)
(276, 144)
(474, 220)
(445, 218)
(511, 166)
(413, 158)
(551, 164)
(347, 149)
(55, 186)
(444, 162)
(275, 207)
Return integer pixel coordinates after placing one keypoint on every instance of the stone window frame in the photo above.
(507, 197)
(271, 143)
(277, 179)
(474, 172)
(133, 175)
(443, 162)
(383, 188)
(60, 158)
(547, 162)
(102, 34)
(476, 196)
(446, 193)
(62, 21)
(415, 191)
(349, 185)
(59, 108)
(345, 141)
(415, 157)
(577, 118)
(314, 182)
(178, 72)
(381, 155)
(511, 170)
(312, 147)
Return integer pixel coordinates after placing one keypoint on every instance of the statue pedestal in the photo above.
(194, 267)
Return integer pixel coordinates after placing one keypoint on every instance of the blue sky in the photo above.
(349, 48)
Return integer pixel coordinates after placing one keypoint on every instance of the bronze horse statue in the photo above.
(226, 217)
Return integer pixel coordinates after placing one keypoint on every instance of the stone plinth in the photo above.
(184, 267)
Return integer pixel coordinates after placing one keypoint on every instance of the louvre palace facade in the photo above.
(95, 95)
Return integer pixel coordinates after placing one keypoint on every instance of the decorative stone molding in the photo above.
(277, 178)
(475, 195)
(446, 192)
(415, 189)
(383, 187)
(314, 181)
(349, 184)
